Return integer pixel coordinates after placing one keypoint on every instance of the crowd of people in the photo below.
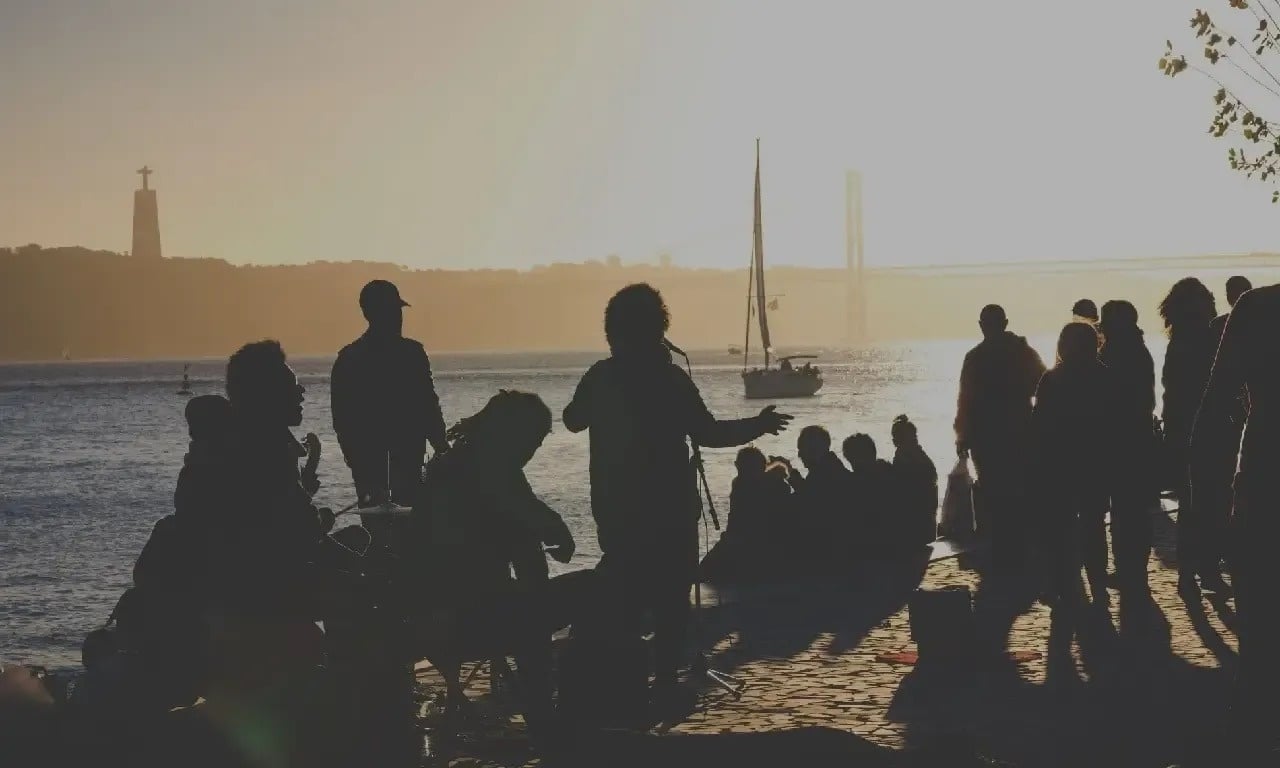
(249, 598)
(1059, 450)
(786, 524)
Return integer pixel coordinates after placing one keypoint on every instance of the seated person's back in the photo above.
(917, 481)
(758, 514)
(872, 496)
(821, 502)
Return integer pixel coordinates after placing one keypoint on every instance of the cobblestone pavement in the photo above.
(1141, 683)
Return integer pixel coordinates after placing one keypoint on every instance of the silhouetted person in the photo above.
(873, 496)
(993, 412)
(1074, 428)
(265, 592)
(1136, 481)
(1212, 471)
(1187, 310)
(642, 410)
(1248, 358)
(917, 479)
(477, 523)
(821, 501)
(758, 523)
(384, 401)
(1085, 311)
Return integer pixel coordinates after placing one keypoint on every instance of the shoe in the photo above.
(1214, 584)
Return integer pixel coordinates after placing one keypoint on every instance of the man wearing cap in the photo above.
(384, 402)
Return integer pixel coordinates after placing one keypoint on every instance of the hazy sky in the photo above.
(515, 132)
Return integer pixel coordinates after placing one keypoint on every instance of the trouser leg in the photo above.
(1093, 543)
(1256, 579)
(1130, 540)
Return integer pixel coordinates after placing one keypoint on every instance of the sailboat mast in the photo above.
(758, 247)
(746, 342)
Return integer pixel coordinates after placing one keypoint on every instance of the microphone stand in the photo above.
(729, 683)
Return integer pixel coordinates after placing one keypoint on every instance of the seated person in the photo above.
(917, 484)
(821, 496)
(873, 497)
(757, 502)
(261, 538)
(476, 522)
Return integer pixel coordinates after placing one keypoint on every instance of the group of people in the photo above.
(248, 597)
(1057, 450)
(785, 524)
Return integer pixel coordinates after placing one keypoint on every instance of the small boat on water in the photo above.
(186, 380)
(735, 350)
(785, 380)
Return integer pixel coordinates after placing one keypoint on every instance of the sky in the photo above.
(508, 133)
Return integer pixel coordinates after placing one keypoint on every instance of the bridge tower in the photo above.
(855, 285)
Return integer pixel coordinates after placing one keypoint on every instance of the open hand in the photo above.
(771, 422)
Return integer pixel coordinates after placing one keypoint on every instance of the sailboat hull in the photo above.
(773, 383)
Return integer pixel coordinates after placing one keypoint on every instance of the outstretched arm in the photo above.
(708, 431)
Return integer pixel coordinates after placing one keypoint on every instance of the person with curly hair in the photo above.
(642, 410)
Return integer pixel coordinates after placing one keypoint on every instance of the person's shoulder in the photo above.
(350, 349)
(408, 346)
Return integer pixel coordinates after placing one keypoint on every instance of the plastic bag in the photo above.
(957, 504)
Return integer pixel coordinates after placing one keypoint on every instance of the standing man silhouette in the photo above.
(385, 407)
(993, 418)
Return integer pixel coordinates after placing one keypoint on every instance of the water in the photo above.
(89, 454)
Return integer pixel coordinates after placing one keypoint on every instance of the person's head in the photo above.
(992, 320)
(903, 432)
(509, 429)
(1237, 285)
(382, 306)
(750, 462)
(1077, 344)
(859, 450)
(1119, 319)
(813, 443)
(1189, 304)
(636, 318)
(208, 417)
(261, 384)
(1086, 309)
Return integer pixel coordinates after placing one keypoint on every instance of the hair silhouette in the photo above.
(1188, 303)
(251, 367)
(635, 316)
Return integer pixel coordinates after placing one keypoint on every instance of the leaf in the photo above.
(1215, 38)
(1231, 41)
(1262, 25)
(1218, 97)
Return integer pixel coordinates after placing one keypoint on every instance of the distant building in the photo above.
(146, 219)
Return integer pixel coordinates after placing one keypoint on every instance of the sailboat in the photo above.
(186, 380)
(785, 380)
